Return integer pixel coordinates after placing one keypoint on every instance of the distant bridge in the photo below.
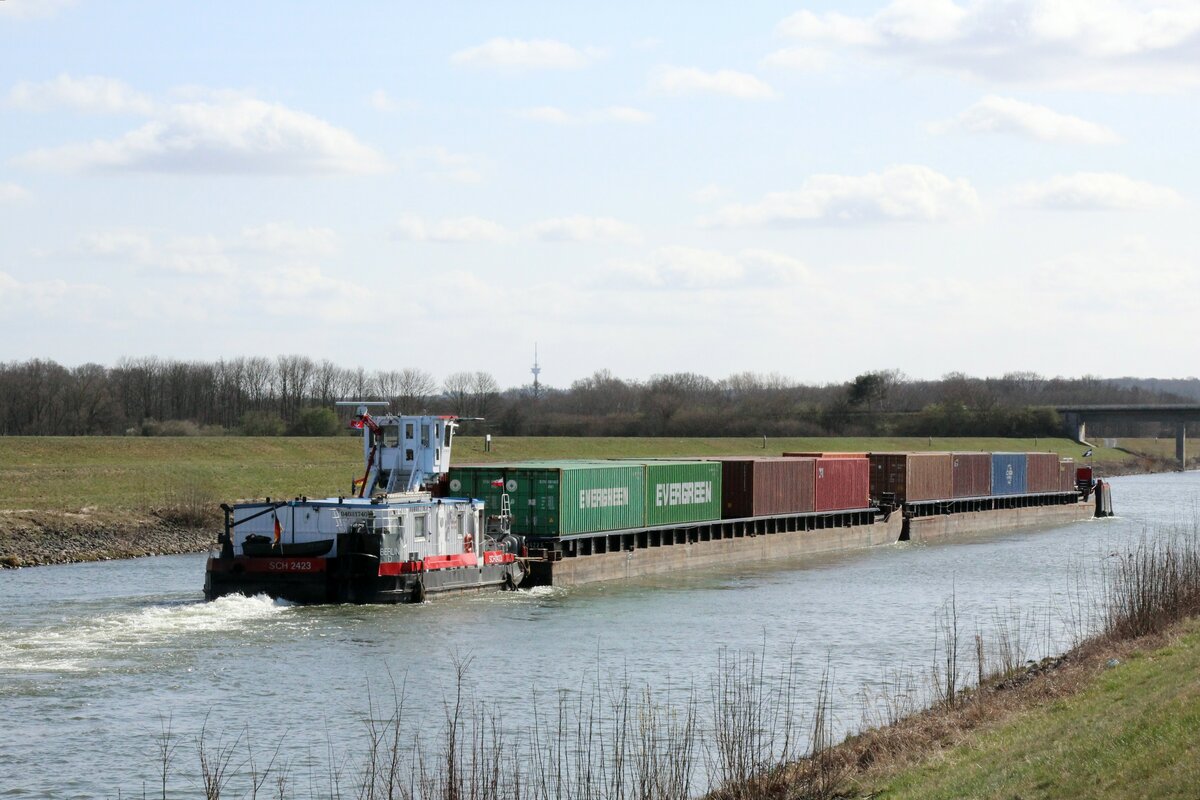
(1077, 418)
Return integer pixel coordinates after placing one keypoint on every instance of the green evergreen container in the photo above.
(559, 498)
(682, 491)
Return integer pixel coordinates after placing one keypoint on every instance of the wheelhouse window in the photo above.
(391, 435)
(419, 529)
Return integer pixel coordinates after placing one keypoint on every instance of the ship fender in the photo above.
(418, 591)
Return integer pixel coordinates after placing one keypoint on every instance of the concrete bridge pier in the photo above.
(1181, 445)
(1076, 427)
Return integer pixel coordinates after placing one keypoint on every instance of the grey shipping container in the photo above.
(971, 474)
(759, 487)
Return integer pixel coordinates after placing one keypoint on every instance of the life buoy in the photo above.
(468, 543)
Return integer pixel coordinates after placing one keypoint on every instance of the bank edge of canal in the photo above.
(1114, 717)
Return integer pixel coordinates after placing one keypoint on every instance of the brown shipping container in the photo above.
(841, 483)
(972, 474)
(1066, 475)
(760, 487)
(824, 455)
(912, 476)
(1042, 472)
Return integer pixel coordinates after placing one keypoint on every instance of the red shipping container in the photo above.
(1066, 475)
(842, 483)
(971, 474)
(824, 455)
(762, 487)
(1042, 473)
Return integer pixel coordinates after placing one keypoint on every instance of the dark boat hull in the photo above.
(268, 549)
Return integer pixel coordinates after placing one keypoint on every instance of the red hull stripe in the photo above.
(391, 568)
(457, 561)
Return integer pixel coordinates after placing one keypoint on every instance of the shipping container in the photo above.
(841, 483)
(759, 487)
(1084, 473)
(1041, 473)
(1066, 475)
(1008, 473)
(682, 491)
(559, 498)
(971, 474)
(911, 477)
(824, 455)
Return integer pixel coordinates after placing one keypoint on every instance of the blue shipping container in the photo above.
(1009, 473)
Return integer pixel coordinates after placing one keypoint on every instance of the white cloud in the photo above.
(584, 229)
(558, 116)
(185, 255)
(283, 238)
(53, 296)
(550, 114)
(519, 54)
(382, 101)
(1096, 191)
(209, 255)
(907, 192)
(438, 162)
(91, 94)
(995, 114)
(679, 267)
(800, 59)
(689, 80)
(228, 134)
(1106, 45)
(708, 194)
(460, 230)
(12, 193)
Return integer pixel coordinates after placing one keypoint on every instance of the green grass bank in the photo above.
(143, 473)
(82, 498)
(1130, 732)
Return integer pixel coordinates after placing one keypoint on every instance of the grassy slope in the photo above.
(1132, 733)
(55, 473)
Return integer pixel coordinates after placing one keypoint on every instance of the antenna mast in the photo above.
(536, 370)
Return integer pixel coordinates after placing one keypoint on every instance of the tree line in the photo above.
(294, 394)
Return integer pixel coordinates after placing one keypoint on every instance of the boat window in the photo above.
(424, 436)
(418, 526)
(408, 431)
(408, 454)
(391, 435)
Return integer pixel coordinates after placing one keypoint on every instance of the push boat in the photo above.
(395, 539)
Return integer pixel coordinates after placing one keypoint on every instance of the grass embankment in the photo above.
(1079, 729)
(141, 474)
(68, 488)
(1115, 717)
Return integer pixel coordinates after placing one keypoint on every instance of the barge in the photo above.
(414, 526)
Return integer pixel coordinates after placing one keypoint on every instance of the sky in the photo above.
(804, 188)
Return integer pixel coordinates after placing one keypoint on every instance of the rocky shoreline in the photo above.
(30, 539)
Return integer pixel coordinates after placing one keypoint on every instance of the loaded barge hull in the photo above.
(655, 551)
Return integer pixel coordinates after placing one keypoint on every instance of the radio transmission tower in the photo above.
(536, 370)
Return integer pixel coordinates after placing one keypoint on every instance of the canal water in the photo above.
(96, 658)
